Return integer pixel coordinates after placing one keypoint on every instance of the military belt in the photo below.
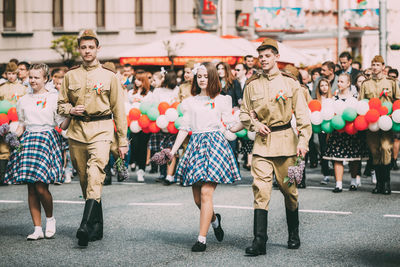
(93, 118)
(280, 127)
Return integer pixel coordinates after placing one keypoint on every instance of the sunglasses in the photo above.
(238, 69)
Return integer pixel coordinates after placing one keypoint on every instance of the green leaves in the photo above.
(67, 47)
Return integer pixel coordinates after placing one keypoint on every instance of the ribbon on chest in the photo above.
(384, 92)
(41, 103)
(98, 87)
(281, 95)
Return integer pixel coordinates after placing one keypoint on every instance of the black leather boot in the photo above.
(379, 182)
(86, 227)
(108, 179)
(386, 178)
(97, 223)
(292, 218)
(260, 233)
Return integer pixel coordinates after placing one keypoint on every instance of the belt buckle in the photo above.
(86, 118)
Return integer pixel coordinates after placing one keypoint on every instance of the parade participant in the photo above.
(394, 74)
(92, 96)
(11, 91)
(274, 97)
(186, 86)
(380, 142)
(345, 147)
(23, 74)
(327, 72)
(208, 159)
(39, 162)
(250, 63)
(346, 61)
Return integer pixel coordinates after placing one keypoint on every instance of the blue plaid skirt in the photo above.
(40, 159)
(208, 158)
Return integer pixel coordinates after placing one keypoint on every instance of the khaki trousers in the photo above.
(90, 160)
(380, 144)
(262, 170)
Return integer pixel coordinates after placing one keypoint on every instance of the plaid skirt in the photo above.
(208, 158)
(167, 140)
(155, 141)
(40, 159)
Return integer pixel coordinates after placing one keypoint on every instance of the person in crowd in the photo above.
(57, 74)
(315, 74)
(305, 79)
(345, 147)
(386, 70)
(11, 91)
(3, 78)
(39, 161)
(231, 87)
(327, 72)
(368, 73)
(276, 146)
(346, 61)
(209, 159)
(380, 143)
(179, 76)
(139, 141)
(250, 63)
(186, 86)
(356, 65)
(394, 74)
(129, 75)
(240, 75)
(23, 74)
(91, 131)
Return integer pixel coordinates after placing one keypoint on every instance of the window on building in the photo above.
(58, 14)
(100, 14)
(9, 12)
(139, 13)
(172, 7)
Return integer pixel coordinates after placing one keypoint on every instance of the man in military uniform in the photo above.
(11, 91)
(274, 96)
(380, 143)
(92, 95)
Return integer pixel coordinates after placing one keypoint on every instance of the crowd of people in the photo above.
(75, 121)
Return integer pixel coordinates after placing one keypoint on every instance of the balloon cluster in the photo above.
(247, 135)
(8, 112)
(351, 116)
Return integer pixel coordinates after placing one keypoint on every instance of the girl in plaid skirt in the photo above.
(39, 162)
(209, 159)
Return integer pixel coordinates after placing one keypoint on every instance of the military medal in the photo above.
(41, 103)
(281, 95)
(98, 87)
(384, 92)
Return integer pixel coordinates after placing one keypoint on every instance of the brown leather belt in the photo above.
(280, 128)
(92, 118)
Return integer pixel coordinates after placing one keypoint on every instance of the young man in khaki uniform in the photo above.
(11, 91)
(274, 97)
(380, 143)
(92, 95)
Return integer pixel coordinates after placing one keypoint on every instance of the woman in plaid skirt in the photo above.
(39, 161)
(209, 159)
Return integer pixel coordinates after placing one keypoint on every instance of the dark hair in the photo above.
(88, 38)
(356, 79)
(26, 64)
(145, 83)
(330, 65)
(54, 71)
(318, 93)
(346, 55)
(14, 60)
(127, 65)
(245, 67)
(265, 47)
(213, 86)
(394, 71)
(358, 63)
(315, 70)
(248, 56)
(229, 78)
(169, 80)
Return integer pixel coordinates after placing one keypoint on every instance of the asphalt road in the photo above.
(154, 225)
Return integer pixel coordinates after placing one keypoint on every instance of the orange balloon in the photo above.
(143, 121)
(360, 123)
(162, 107)
(12, 114)
(146, 130)
(314, 105)
(153, 128)
(134, 114)
(372, 115)
(4, 119)
(383, 110)
(374, 103)
(396, 105)
(350, 129)
(175, 105)
(171, 128)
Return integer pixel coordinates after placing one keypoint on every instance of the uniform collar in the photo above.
(376, 78)
(91, 67)
(271, 76)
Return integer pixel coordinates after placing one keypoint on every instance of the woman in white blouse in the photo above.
(209, 159)
(39, 162)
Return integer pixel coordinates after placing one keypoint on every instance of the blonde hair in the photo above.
(318, 91)
(43, 67)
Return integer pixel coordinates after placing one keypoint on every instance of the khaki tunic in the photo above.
(380, 143)
(185, 90)
(10, 92)
(276, 151)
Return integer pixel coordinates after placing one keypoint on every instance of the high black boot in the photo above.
(394, 165)
(97, 223)
(86, 226)
(379, 182)
(108, 179)
(292, 218)
(386, 179)
(260, 233)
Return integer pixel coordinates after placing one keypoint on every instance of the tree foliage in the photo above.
(67, 47)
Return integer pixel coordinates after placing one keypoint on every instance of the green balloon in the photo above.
(337, 122)
(178, 122)
(242, 133)
(5, 106)
(396, 127)
(365, 100)
(180, 113)
(349, 114)
(316, 128)
(389, 106)
(153, 114)
(145, 107)
(326, 126)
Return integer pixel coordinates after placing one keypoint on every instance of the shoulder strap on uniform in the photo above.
(253, 77)
(73, 67)
(108, 68)
(288, 75)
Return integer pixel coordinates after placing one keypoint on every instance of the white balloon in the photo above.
(135, 128)
(135, 105)
(172, 114)
(251, 135)
(373, 127)
(339, 106)
(229, 135)
(327, 102)
(316, 118)
(396, 116)
(327, 113)
(362, 107)
(14, 126)
(351, 102)
(165, 130)
(236, 115)
(385, 123)
(162, 121)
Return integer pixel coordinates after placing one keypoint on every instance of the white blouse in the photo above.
(202, 114)
(165, 95)
(137, 98)
(38, 112)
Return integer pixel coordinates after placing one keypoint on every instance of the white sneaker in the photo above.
(373, 177)
(68, 176)
(50, 227)
(325, 180)
(358, 181)
(140, 176)
(38, 234)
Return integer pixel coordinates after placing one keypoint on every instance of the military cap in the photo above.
(378, 58)
(88, 33)
(11, 67)
(268, 42)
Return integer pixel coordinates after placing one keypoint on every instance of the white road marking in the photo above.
(126, 183)
(325, 188)
(154, 204)
(68, 202)
(327, 212)
(233, 207)
(11, 201)
(391, 216)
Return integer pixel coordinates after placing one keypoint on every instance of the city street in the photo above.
(154, 225)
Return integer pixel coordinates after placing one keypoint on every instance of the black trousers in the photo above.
(3, 167)
(139, 149)
(323, 145)
(312, 153)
